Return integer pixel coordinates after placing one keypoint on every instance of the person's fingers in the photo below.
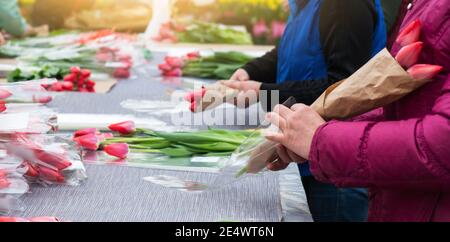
(283, 154)
(275, 137)
(294, 157)
(282, 110)
(298, 106)
(232, 84)
(276, 120)
(277, 166)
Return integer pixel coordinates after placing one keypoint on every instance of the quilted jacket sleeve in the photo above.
(412, 153)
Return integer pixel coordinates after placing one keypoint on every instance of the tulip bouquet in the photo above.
(220, 65)
(127, 137)
(12, 184)
(48, 159)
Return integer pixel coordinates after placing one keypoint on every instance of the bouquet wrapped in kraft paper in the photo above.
(378, 83)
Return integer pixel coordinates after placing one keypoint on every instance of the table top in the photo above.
(118, 193)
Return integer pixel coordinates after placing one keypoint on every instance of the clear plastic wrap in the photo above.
(249, 159)
(12, 184)
(28, 91)
(48, 159)
(28, 118)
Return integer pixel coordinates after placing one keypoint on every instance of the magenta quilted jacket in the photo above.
(403, 154)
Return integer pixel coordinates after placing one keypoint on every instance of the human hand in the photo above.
(240, 75)
(297, 128)
(248, 92)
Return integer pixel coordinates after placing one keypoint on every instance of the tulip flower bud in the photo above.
(51, 175)
(4, 94)
(124, 128)
(119, 150)
(424, 72)
(410, 34)
(409, 54)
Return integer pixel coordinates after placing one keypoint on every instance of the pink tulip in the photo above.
(4, 183)
(164, 67)
(43, 100)
(4, 94)
(83, 132)
(409, 54)
(174, 62)
(119, 150)
(193, 55)
(173, 73)
(193, 107)
(424, 72)
(44, 220)
(2, 106)
(260, 28)
(54, 160)
(195, 95)
(278, 29)
(12, 220)
(51, 175)
(410, 34)
(124, 128)
(89, 141)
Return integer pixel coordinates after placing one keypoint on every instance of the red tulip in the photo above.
(51, 175)
(3, 173)
(89, 141)
(424, 72)
(121, 73)
(410, 34)
(174, 73)
(12, 220)
(193, 55)
(32, 171)
(75, 69)
(83, 132)
(119, 150)
(43, 100)
(2, 106)
(72, 77)
(174, 62)
(85, 73)
(124, 128)
(4, 94)
(57, 87)
(409, 54)
(90, 83)
(196, 95)
(67, 86)
(193, 107)
(164, 67)
(54, 160)
(44, 220)
(4, 183)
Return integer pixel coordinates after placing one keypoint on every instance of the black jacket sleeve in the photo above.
(346, 28)
(263, 69)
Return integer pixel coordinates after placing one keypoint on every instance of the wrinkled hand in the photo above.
(285, 157)
(297, 128)
(248, 92)
(240, 75)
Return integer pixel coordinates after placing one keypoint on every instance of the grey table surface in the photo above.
(114, 193)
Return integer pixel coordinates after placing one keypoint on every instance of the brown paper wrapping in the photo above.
(378, 83)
